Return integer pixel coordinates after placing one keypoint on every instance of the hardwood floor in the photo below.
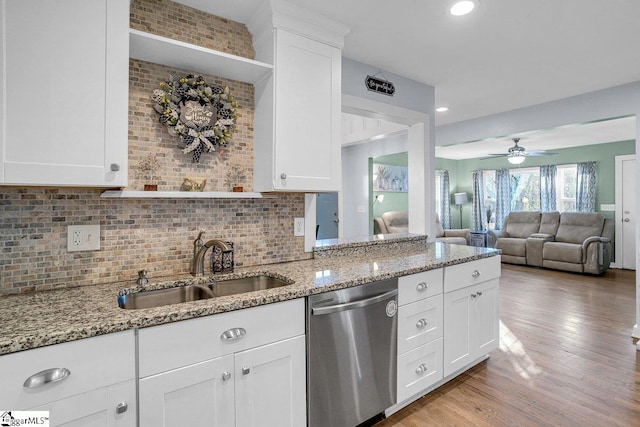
(566, 358)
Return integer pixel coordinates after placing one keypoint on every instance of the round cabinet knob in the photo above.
(422, 286)
(479, 293)
(115, 167)
(475, 274)
(626, 220)
(283, 175)
(226, 376)
(245, 370)
(421, 323)
(473, 295)
(421, 369)
(121, 408)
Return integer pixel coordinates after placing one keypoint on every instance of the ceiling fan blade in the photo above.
(498, 155)
(540, 153)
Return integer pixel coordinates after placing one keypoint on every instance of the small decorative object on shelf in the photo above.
(203, 116)
(194, 184)
(235, 177)
(222, 261)
(148, 169)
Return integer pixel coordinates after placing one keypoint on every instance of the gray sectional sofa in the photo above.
(579, 242)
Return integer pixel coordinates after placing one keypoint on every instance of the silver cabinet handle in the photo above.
(479, 293)
(233, 334)
(226, 376)
(52, 375)
(245, 370)
(626, 220)
(421, 369)
(114, 167)
(121, 408)
(421, 323)
(283, 175)
(475, 274)
(473, 295)
(422, 286)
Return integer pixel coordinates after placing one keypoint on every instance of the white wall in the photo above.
(617, 101)
(355, 180)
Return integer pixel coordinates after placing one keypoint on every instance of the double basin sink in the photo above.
(187, 293)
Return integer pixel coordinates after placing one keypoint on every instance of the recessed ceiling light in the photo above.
(462, 8)
(442, 109)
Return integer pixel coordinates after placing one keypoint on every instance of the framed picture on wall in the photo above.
(390, 178)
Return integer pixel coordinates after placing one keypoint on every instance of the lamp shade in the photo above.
(460, 198)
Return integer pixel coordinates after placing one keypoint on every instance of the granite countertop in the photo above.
(52, 317)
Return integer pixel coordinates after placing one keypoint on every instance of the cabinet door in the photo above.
(112, 406)
(307, 114)
(65, 92)
(195, 395)
(458, 345)
(271, 385)
(486, 324)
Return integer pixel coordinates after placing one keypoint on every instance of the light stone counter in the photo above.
(52, 317)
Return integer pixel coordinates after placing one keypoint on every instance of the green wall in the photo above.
(603, 154)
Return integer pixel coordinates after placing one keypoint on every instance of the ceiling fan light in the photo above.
(515, 159)
(462, 8)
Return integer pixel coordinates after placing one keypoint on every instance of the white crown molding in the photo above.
(283, 14)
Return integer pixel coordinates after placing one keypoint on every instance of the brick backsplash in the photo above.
(155, 235)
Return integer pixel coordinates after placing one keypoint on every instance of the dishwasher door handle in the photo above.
(317, 311)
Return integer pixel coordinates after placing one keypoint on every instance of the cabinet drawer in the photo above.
(419, 369)
(470, 273)
(419, 286)
(419, 323)
(93, 363)
(166, 347)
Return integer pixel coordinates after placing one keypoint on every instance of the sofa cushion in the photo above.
(563, 252)
(522, 224)
(396, 221)
(575, 227)
(511, 246)
(549, 222)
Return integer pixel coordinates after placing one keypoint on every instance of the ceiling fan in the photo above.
(516, 154)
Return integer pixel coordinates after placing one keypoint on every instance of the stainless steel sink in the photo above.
(160, 297)
(246, 284)
(179, 294)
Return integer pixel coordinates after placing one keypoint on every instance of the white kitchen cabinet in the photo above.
(197, 395)
(243, 368)
(297, 117)
(471, 315)
(65, 92)
(99, 389)
(419, 333)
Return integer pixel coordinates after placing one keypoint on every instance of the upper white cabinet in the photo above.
(64, 89)
(297, 128)
(297, 108)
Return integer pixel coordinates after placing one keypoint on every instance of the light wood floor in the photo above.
(566, 358)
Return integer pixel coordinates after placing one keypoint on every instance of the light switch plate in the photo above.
(83, 237)
(607, 208)
(298, 226)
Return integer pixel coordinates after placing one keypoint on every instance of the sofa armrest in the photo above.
(589, 241)
(596, 254)
(457, 232)
(493, 236)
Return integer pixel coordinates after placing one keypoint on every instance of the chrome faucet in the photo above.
(197, 263)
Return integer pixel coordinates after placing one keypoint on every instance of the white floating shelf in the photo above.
(177, 54)
(115, 194)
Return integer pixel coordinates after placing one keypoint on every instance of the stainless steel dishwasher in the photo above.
(351, 362)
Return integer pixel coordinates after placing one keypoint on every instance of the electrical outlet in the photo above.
(83, 238)
(298, 226)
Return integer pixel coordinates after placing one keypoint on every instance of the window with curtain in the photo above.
(566, 188)
(586, 187)
(443, 202)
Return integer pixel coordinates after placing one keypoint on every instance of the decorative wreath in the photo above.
(202, 116)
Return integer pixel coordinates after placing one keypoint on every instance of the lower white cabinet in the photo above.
(89, 382)
(251, 372)
(471, 322)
